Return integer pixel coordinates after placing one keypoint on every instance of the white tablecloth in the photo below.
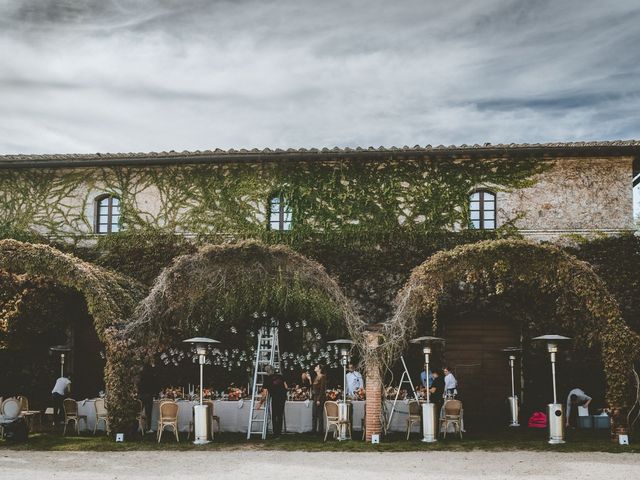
(88, 408)
(234, 415)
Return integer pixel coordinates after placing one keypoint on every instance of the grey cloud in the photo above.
(151, 75)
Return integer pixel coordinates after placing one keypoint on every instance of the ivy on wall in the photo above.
(583, 309)
(422, 194)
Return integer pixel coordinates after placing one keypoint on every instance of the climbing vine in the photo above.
(422, 194)
(584, 309)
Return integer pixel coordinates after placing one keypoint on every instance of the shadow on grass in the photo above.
(511, 439)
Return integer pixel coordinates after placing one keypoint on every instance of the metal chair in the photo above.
(101, 414)
(70, 407)
(10, 409)
(168, 417)
(414, 416)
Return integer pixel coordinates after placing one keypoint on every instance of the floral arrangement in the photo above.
(299, 394)
(236, 393)
(334, 394)
(390, 393)
(172, 393)
(359, 394)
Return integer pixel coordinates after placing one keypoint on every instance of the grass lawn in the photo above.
(508, 439)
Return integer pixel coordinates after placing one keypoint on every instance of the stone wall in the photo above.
(586, 196)
(570, 195)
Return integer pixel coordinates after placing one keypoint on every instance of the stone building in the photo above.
(548, 192)
(544, 191)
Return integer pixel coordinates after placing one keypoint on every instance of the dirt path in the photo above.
(306, 466)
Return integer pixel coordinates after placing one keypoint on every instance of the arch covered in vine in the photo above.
(228, 291)
(111, 299)
(584, 309)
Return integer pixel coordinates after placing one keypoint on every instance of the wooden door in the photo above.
(472, 351)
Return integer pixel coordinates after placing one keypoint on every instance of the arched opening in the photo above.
(227, 292)
(36, 313)
(110, 299)
(537, 289)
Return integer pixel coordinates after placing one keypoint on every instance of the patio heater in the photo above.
(429, 414)
(62, 350)
(343, 412)
(200, 412)
(513, 399)
(555, 410)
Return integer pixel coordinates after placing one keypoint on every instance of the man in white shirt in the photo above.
(450, 382)
(60, 390)
(576, 398)
(354, 380)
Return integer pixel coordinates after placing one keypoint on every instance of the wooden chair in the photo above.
(29, 415)
(168, 417)
(212, 418)
(332, 418)
(452, 416)
(70, 407)
(101, 414)
(141, 418)
(414, 416)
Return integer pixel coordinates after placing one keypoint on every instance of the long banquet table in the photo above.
(234, 415)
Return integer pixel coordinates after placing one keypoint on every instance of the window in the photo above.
(280, 214)
(482, 210)
(107, 214)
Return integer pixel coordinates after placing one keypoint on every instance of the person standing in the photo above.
(59, 392)
(450, 382)
(354, 380)
(319, 396)
(424, 375)
(436, 392)
(576, 398)
(275, 385)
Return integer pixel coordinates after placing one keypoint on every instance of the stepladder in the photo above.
(404, 380)
(267, 354)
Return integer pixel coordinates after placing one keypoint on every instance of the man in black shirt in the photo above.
(277, 388)
(437, 387)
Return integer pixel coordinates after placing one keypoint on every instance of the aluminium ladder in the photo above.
(403, 380)
(267, 353)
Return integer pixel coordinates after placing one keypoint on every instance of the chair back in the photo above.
(24, 403)
(210, 405)
(452, 408)
(100, 407)
(331, 409)
(70, 406)
(11, 408)
(168, 411)
(141, 409)
(414, 408)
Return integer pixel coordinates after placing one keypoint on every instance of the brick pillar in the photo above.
(373, 386)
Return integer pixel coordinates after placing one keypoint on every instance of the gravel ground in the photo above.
(278, 465)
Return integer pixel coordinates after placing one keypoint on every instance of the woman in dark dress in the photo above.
(319, 396)
(276, 386)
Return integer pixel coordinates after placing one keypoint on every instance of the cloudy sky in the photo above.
(115, 75)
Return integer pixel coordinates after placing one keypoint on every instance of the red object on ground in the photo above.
(537, 420)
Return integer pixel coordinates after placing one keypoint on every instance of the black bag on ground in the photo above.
(16, 431)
